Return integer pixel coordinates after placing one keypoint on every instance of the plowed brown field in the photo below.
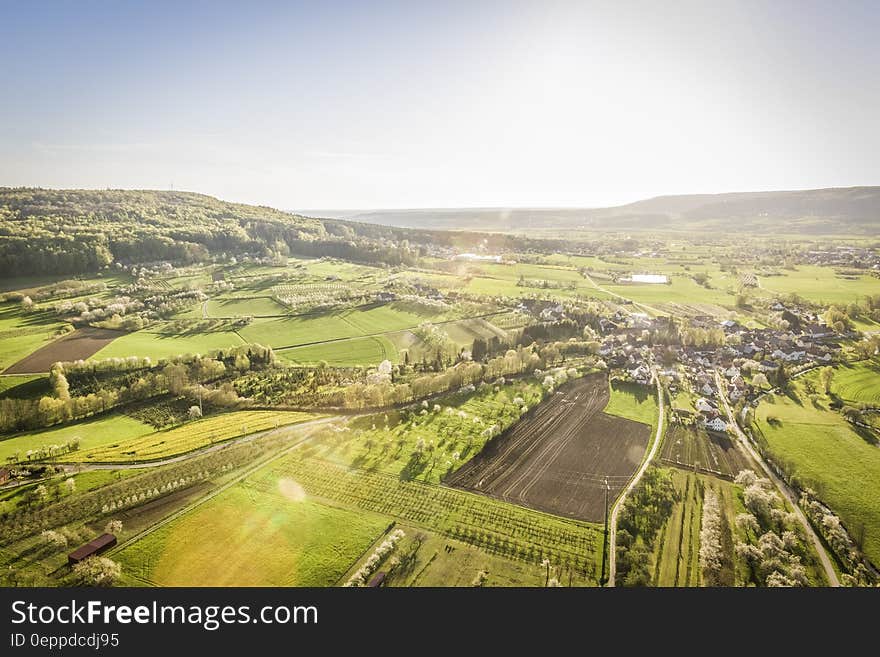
(556, 458)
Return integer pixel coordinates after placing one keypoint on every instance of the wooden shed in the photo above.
(90, 549)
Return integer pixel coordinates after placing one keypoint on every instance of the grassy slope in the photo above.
(858, 382)
(634, 402)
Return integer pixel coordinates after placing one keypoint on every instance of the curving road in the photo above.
(783, 487)
(615, 511)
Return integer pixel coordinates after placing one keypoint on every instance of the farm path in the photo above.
(618, 504)
(214, 493)
(784, 488)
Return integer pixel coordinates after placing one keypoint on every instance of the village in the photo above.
(750, 361)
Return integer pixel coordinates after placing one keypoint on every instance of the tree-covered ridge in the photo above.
(72, 231)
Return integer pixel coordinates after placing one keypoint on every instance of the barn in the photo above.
(90, 549)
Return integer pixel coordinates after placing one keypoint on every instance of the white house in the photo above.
(716, 425)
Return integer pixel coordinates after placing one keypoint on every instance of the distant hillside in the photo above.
(853, 210)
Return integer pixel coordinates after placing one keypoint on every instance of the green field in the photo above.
(342, 353)
(820, 284)
(92, 434)
(249, 536)
(187, 437)
(634, 402)
(305, 330)
(158, 345)
(824, 452)
(237, 307)
(681, 290)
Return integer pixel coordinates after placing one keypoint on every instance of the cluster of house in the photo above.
(626, 347)
(844, 256)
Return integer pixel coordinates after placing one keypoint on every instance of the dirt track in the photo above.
(556, 459)
(81, 344)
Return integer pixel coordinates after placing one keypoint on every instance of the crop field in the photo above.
(253, 536)
(355, 351)
(430, 444)
(823, 451)
(858, 382)
(556, 459)
(92, 434)
(79, 345)
(696, 448)
(157, 344)
(241, 307)
(513, 532)
(188, 437)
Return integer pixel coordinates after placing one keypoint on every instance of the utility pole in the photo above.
(605, 535)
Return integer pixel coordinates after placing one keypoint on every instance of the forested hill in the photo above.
(77, 231)
(853, 210)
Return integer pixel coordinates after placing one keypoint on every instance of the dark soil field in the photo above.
(557, 457)
(708, 452)
(80, 344)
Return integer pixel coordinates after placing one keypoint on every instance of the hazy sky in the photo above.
(443, 104)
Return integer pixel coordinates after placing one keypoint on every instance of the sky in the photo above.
(360, 104)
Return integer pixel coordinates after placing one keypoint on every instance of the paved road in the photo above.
(612, 525)
(783, 487)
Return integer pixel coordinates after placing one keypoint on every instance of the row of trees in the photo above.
(185, 376)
